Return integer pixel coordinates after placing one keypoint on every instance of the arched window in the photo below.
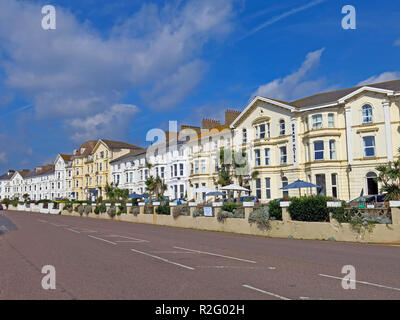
(367, 114)
(285, 193)
(282, 127)
(372, 184)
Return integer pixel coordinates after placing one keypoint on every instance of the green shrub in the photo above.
(229, 206)
(122, 208)
(112, 211)
(101, 208)
(222, 215)
(181, 210)
(68, 207)
(135, 210)
(340, 213)
(6, 202)
(309, 208)
(80, 209)
(88, 209)
(198, 212)
(275, 210)
(260, 217)
(148, 209)
(163, 209)
(238, 213)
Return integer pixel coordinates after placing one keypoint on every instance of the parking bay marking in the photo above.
(163, 259)
(101, 239)
(72, 230)
(217, 255)
(362, 282)
(266, 292)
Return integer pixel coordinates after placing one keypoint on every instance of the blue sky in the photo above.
(115, 69)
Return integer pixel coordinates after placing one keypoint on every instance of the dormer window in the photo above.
(367, 114)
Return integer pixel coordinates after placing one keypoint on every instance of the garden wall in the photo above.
(379, 233)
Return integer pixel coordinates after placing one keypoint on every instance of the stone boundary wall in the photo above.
(333, 230)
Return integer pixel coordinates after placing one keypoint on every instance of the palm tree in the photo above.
(109, 189)
(389, 176)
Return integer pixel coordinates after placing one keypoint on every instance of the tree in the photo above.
(389, 176)
(26, 197)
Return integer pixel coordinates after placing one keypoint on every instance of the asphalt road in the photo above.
(101, 259)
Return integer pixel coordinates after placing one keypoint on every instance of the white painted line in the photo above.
(101, 239)
(59, 225)
(130, 241)
(72, 230)
(236, 267)
(363, 282)
(41, 220)
(184, 252)
(162, 259)
(217, 255)
(266, 292)
(87, 231)
(124, 237)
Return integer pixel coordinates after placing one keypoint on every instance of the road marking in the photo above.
(72, 230)
(217, 255)
(228, 267)
(363, 282)
(266, 292)
(59, 225)
(130, 241)
(162, 259)
(174, 252)
(124, 237)
(41, 220)
(87, 230)
(101, 239)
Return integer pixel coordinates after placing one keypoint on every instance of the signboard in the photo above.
(331, 204)
(248, 204)
(394, 204)
(284, 204)
(294, 141)
(208, 211)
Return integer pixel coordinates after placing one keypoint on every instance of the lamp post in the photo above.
(348, 170)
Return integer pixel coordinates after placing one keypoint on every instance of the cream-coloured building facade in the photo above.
(334, 140)
(97, 171)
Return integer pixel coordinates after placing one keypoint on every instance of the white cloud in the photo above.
(397, 43)
(295, 85)
(108, 124)
(385, 76)
(74, 70)
(3, 157)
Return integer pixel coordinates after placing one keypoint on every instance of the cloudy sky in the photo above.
(115, 69)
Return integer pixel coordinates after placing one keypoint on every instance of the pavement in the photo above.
(104, 259)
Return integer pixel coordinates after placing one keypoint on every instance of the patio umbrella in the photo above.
(235, 187)
(299, 184)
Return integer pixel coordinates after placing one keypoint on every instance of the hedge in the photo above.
(309, 208)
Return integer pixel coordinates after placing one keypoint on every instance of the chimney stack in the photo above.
(230, 116)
